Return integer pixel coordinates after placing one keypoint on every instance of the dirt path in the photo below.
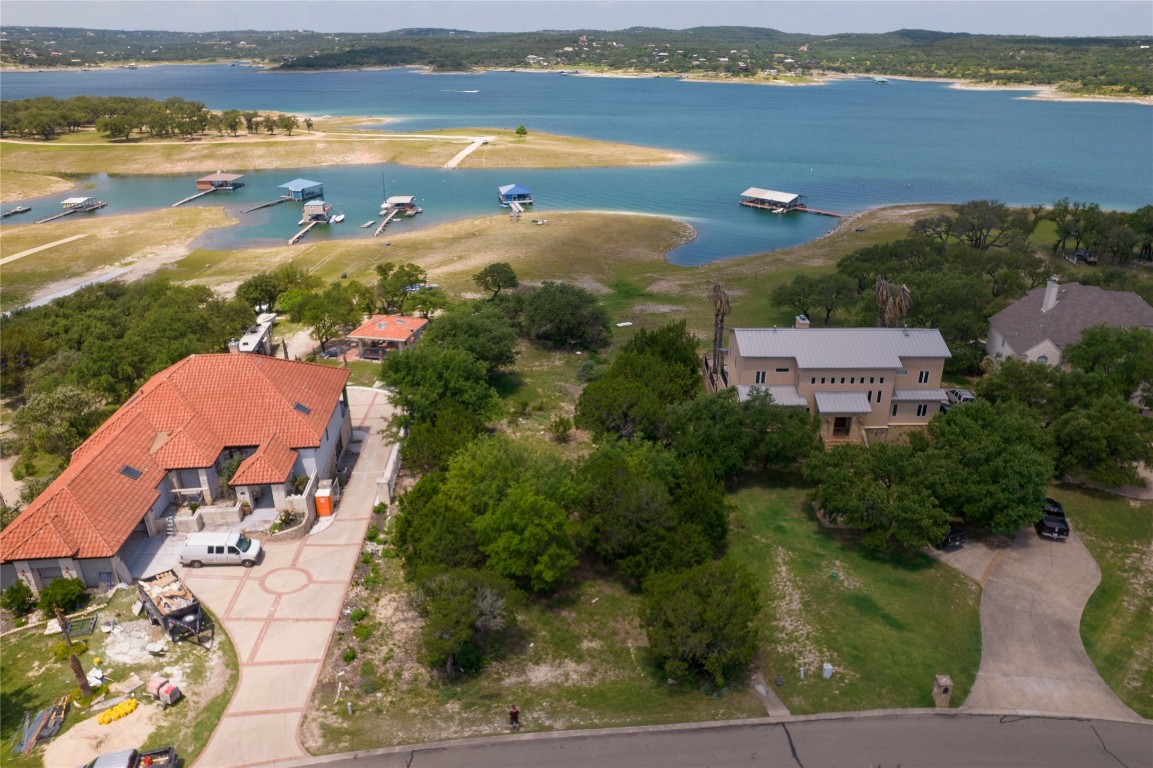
(88, 739)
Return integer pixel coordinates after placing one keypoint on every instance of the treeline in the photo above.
(120, 117)
(492, 522)
(956, 270)
(1090, 64)
(66, 366)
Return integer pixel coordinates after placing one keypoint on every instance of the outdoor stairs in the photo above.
(170, 524)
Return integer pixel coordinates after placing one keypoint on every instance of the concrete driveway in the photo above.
(281, 614)
(1032, 658)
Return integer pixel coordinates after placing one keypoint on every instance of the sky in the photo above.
(1061, 18)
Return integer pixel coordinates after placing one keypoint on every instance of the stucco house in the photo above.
(864, 384)
(1038, 326)
(286, 422)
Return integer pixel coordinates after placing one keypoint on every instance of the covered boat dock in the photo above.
(770, 199)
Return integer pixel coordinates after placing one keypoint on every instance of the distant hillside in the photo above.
(1116, 65)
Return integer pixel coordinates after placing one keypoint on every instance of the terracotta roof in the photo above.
(1023, 325)
(182, 417)
(272, 463)
(389, 328)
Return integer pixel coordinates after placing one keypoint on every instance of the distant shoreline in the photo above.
(1039, 92)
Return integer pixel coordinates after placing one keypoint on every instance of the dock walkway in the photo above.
(277, 201)
(190, 198)
(477, 142)
(388, 217)
(303, 232)
(71, 211)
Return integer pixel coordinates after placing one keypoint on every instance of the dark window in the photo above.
(131, 472)
(759, 378)
(814, 380)
(869, 394)
(852, 379)
(822, 379)
(782, 370)
(871, 380)
(922, 410)
(842, 379)
(882, 379)
(894, 409)
(923, 378)
(878, 395)
(302, 408)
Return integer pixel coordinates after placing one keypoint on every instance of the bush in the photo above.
(349, 655)
(357, 615)
(561, 429)
(62, 650)
(380, 508)
(65, 594)
(372, 534)
(18, 599)
(362, 631)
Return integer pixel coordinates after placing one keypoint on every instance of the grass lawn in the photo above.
(887, 626)
(30, 679)
(1117, 624)
(579, 662)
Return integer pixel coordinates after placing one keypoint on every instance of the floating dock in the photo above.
(780, 202)
(269, 204)
(388, 217)
(14, 211)
(76, 205)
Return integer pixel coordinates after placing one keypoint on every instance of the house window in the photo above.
(759, 378)
(922, 409)
(852, 379)
(878, 395)
(901, 372)
(822, 379)
(869, 394)
(871, 379)
(1043, 359)
(782, 370)
(814, 380)
(894, 409)
(923, 377)
(882, 380)
(842, 379)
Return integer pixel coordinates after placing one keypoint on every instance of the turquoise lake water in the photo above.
(847, 146)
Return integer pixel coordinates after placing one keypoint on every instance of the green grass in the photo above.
(30, 679)
(887, 625)
(1117, 624)
(363, 373)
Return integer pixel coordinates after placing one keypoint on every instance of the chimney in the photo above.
(802, 321)
(1051, 289)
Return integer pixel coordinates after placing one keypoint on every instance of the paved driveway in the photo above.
(281, 614)
(1032, 658)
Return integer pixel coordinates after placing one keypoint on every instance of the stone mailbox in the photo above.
(942, 691)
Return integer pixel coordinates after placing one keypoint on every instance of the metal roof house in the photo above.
(864, 384)
(769, 199)
(514, 193)
(302, 189)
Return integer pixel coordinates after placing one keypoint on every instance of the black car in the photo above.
(1053, 524)
(955, 538)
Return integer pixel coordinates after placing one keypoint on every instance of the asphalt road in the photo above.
(896, 741)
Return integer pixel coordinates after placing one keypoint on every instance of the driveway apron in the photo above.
(281, 614)
(1032, 657)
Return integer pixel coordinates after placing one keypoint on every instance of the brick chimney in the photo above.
(802, 321)
(1052, 288)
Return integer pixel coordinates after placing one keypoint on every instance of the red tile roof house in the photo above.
(1039, 326)
(387, 333)
(166, 446)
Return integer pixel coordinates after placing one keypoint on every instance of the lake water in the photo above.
(847, 146)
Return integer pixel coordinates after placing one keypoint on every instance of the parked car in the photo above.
(1053, 524)
(957, 395)
(956, 537)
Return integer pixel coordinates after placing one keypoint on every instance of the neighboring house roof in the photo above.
(919, 396)
(843, 348)
(182, 418)
(770, 194)
(843, 402)
(1023, 325)
(389, 328)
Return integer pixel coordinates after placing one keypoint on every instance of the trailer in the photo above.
(170, 603)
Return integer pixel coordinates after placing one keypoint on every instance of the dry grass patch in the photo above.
(23, 185)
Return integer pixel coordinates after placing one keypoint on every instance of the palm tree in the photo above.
(722, 306)
(893, 302)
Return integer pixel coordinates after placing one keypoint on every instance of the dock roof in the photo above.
(221, 177)
(514, 189)
(770, 194)
(298, 184)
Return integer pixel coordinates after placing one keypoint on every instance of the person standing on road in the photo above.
(514, 718)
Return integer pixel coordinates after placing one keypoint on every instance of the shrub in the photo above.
(349, 655)
(372, 534)
(357, 615)
(380, 508)
(65, 594)
(561, 429)
(62, 650)
(18, 599)
(362, 631)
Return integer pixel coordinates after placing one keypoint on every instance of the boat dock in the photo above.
(388, 217)
(95, 205)
(269, 204)
(14, 211)
(821, 213)
(780, 202)
(516, 207)
(303, 232)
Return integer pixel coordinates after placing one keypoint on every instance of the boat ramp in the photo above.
(76, 205)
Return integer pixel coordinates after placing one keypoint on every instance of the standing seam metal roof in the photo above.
(842, 348)
(843, 402)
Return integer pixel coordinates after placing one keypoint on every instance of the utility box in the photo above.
(826, 670)
(942, 691)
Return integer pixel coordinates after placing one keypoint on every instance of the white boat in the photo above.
(338, 218)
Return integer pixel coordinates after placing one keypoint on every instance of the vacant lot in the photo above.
(1117, 624)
